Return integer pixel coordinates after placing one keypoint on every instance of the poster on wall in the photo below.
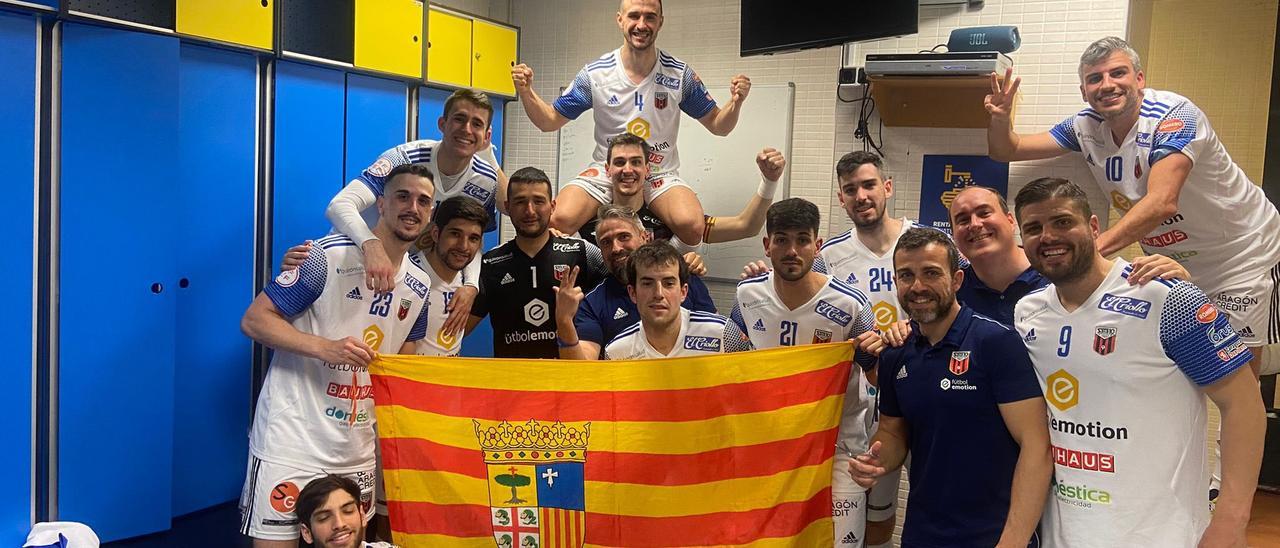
(945, 176)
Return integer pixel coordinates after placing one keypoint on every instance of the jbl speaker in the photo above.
(1003, 39)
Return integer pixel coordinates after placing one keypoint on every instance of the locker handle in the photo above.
(183, 283)
(157, 288)
(265, 3)
(415, 38)
(477, 57)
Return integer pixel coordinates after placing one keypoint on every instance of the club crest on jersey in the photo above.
(821, 336)
(1128, 306)
(1137, 167)
(705, 344)
(660, 100)
(380, 168)
(419, 288)
(473, 190)
(404, 308)
(560, 271)
(959, 363)
(665, 81)
(287, 278)
(833, 313)
(590, 172)
(1104, 340)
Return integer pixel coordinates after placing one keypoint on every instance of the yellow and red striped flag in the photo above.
(731, 450)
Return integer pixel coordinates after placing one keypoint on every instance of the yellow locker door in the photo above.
(244, 22)
(389, 36)
(494, 53)
(449, 49)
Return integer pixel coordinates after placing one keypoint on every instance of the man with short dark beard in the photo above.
(1126, 369)
(793, 305)
(517, 279)
(962, 382)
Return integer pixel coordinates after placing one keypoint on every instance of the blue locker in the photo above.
(309, 151)
(117, 283)
(377, 117)
(18, 42)
(479, 343)
(217, 124)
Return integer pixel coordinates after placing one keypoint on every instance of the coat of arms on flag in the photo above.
(723, 450)
(959, 362)
(535, 473)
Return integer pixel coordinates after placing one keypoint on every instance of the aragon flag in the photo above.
(732, 450)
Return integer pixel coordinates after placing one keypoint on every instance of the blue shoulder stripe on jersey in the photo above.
(1036, 290)
(670, 61)
(835, 240)
(1155, 103)
(754, 279)
(338, 240)
(848, 290)
(419, 155)
(601, 64)
(706, 317)
(1152, 116)
(1145, 108)
(484, 169)
(628, 331)
(332, 237)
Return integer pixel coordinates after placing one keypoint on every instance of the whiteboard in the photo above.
(722, 170)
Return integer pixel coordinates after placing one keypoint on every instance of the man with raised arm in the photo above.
(1163, 168)
(315, 412)
(637, 89)
(463, 164)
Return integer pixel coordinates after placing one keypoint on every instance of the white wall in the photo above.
(559, 36)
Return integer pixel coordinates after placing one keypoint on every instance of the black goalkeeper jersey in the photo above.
(516, 293)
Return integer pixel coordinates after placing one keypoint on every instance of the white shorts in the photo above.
(848, 505)
(882, 499)
(595, 180)
(270, 491)
(1252, 306)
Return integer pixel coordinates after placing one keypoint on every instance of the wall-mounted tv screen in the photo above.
(771, 26)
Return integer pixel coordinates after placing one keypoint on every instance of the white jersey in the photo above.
(1123, 375)
(837, 312)
(318, 416)
(436, 343)
(1225, 228)
(649, 110)
(478, 181)
(701, 333)
(848, 259)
